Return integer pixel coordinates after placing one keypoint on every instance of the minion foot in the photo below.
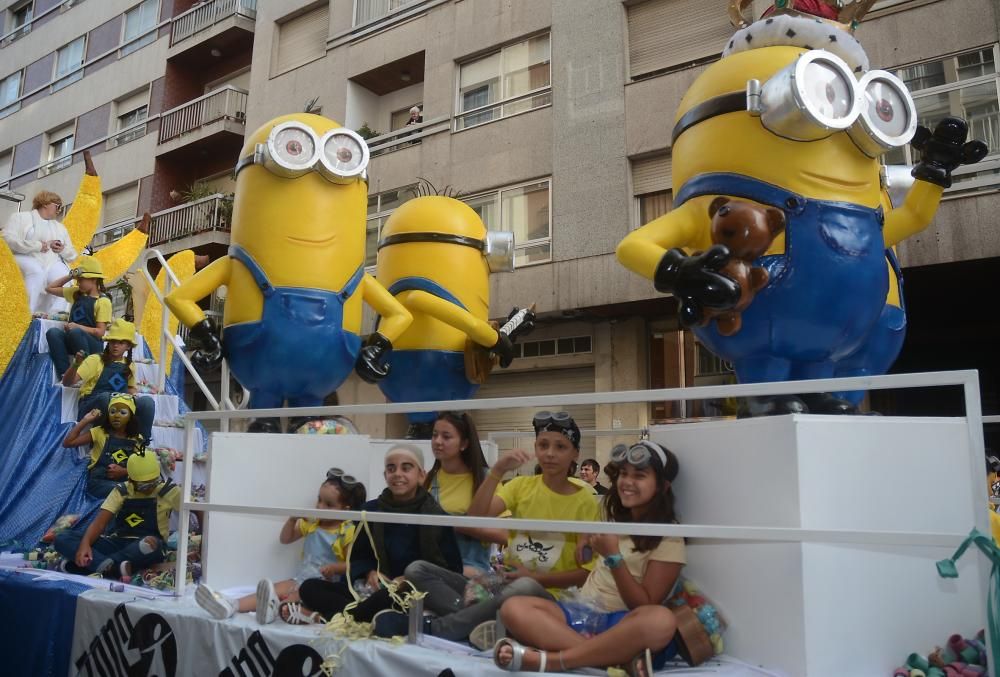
(777, 405)
(827, 403)
(264, 425)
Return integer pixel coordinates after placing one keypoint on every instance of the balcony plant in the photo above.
(200, 190)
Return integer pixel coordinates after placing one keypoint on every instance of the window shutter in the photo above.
(130, 103)
(651, 175)
(302, 39)
(664, 33)
(6, 160)
(120, 205)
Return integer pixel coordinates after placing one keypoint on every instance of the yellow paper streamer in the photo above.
(118, 257)
(16, 311)
(182, 263)
(85, 214)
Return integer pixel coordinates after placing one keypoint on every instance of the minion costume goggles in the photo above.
(558, 422)
(497, 247)
(339, 476)
(816, 96)
(639, 455)
(293, 149)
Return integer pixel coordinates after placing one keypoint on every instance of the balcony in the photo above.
(219, 117)
(203, 222)
(407, 136)
(217, 26)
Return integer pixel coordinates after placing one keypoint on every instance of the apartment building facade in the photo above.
(551, 117)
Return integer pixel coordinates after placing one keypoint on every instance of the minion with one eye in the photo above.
(435, 256)
(781, 123)
(295, 270)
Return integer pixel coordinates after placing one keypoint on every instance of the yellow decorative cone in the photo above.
(15, 308)
(85, 214)
(182, 263)
(118, 257)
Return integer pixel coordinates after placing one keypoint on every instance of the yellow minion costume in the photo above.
(110, 449)
(86, 311)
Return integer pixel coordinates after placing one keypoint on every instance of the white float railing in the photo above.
(967, 380)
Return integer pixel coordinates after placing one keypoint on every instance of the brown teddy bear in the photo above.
(747, 229)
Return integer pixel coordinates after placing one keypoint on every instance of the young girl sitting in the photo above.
(112, 442)
(458, 471)
(390, 550)
(626, 587)
(88, 316)
(324, 553)
(537, 563)
(140, 509)
(110, 372)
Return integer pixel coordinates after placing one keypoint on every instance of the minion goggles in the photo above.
(816, 96)
(338, 475)
(497, 248)
(638, 455)
(293, 149)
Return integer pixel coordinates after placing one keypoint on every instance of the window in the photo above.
(966, 86)
(570, 345)
(10, 90)
(380, 206)
(513, 80)
(120, 205)
(651, 186)
(20, 20)
(664, 34)
(6, 162)
(301, 39)
(369, 10)
(69, 60)
(523, 210)
(139, 23)
(60, 152)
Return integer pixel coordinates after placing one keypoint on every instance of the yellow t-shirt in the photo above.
(165, 504)
(601, 584)
(102, 307)
(454, 491)
(90, 371)
(528, 497)
(99, 437)
(342, 535)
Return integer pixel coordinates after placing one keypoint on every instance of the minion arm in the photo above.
(478, 330)
(182, 301)
(642, 249)
(915, 214)
(394, 317)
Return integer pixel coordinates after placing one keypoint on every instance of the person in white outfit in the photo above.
(42, 248)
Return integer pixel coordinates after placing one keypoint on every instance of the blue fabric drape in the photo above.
(39, 479)
(39, 642)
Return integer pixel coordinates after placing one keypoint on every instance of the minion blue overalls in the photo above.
(63, 343)
(426, 375)
(825, 293)
(116, 451)
(295, 322)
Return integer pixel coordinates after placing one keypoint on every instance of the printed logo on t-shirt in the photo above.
(538, 550)
(133, 520)
(117, 382)
(119, 455)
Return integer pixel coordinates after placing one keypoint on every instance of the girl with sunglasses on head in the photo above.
(625, 591)
(536, 563)
(89, 315)
(324, 553)
(113, 442)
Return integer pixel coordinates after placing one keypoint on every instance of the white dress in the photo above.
(24, 233)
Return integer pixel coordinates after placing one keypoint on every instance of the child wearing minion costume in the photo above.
(788, 125)
(435, 257)
(295, 270)
(140, 508)
(110, 372)
(113, 443)
(89, 314)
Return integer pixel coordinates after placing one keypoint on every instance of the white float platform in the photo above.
(817, 608)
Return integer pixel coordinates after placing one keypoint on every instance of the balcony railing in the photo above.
(226, 103)
(212, 213)
(207, 15)
(407, 136)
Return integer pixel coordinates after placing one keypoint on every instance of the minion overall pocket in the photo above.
(826, 291)
(294, 322)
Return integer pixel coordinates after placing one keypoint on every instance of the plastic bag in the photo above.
(61, 524)
(483, 587)
(586, 615)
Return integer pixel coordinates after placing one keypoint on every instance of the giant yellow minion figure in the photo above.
(783, 123)
(295, 270)
(435, 256)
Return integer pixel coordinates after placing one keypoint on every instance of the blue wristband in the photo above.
(614, 561)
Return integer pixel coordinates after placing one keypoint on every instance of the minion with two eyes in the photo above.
(793, 118)
(295, 270)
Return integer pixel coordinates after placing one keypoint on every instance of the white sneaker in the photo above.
(214, 603)
(484, 635)
(267, 602)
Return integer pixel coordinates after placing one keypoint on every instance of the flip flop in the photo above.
(267, 602)
(641, 665)
(517, 657)
(291, 613)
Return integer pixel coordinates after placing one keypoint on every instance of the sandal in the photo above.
(291, 613)
(517, 656)
(641, 665)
